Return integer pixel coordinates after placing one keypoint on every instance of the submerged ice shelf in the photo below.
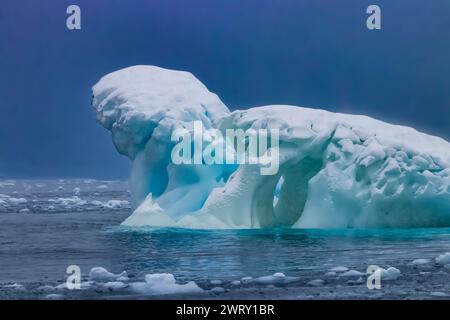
(335, 170)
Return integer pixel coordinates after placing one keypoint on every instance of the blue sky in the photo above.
(250, 52)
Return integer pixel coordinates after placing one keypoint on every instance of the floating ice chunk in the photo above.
(352, 273)
(336, 161)
(418, 262)
(246, 280)
(218, 290)
(438, 294)
(443, 258)
(76, 191)
(276, 278)
(16, 286)
(116, 204)
(330, 274)
(115, 285)
(54, 296)
(339, 269)
(390, 273)
(316, 283)
(74, 201)
(24, 210)
(216, 282)
(102, 186)
(100, 274)
(235, 283)
(163, 283)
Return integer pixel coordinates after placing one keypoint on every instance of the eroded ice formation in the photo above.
(335, 170)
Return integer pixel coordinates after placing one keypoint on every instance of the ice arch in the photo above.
(336, 170)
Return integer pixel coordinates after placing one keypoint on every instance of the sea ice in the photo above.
(70, 202)
(339, 269)
(100, 274)
(218, 290)
(390, 273)
(55, 296)
(316, 283)
(420, 262)
(337, 170)
(115, 285)
(276, 278)
(352, 273)
(443, 259)
(163, 283)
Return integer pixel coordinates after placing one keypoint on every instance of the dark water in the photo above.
(38, 244)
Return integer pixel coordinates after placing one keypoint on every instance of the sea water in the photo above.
(48, 225)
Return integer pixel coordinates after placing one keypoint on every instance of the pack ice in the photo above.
(335, 170)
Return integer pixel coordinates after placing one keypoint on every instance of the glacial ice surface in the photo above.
(336, 170)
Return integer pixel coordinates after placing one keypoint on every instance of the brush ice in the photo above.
(443, 259)
(336, 170)
(100, 274)
(163, 283)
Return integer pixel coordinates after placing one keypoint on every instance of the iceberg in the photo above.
(335, 170)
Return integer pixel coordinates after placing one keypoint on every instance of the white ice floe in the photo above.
(100, 274)
(443, 258)
(76, 191)
(316, 283)
(115, 285)
(438, 294)
(235, 283)
(418, 262)
(112, 204)
(390, 273)
(330, 274)
(54, 296)
(339, 269)
(216, 282)
(116, 204)
(352, 273)
(217, 290)
(276, 278)
(71, 202)
(163, 283)
(16, 286)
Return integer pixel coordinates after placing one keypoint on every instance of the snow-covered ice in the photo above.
(443, 259)
(390, 273)
(352, 273)
(419, 262)
(276, 278)
(338, 170)
(115, 285)
(100, 274)
(163, 283)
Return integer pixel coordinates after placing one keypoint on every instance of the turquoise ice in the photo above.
(336, 170)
